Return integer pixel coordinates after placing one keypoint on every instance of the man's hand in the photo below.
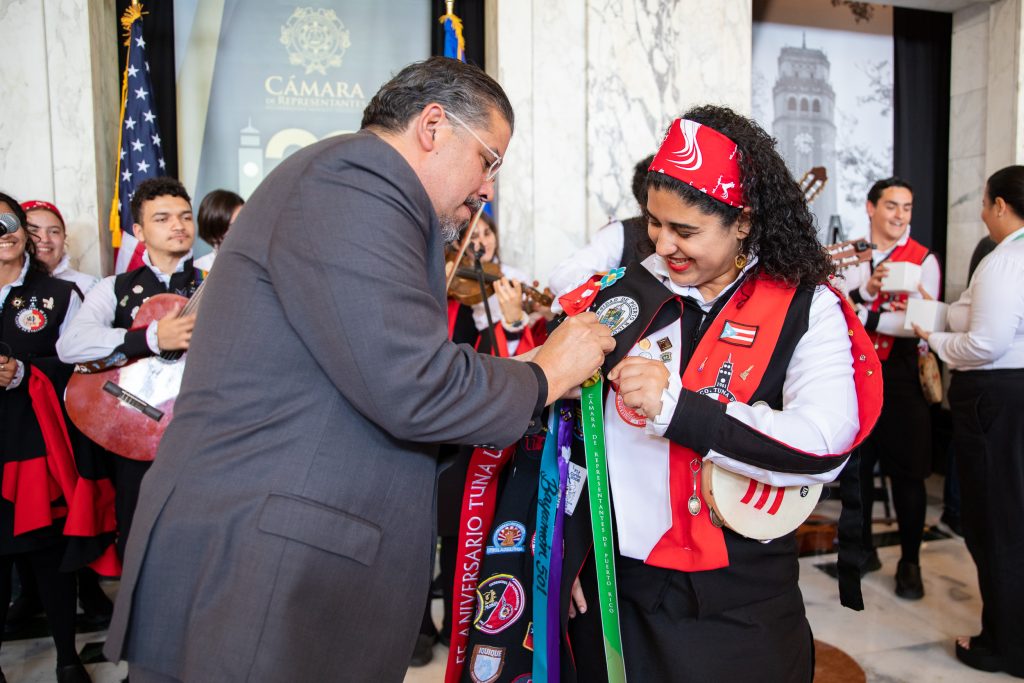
(874, 285)
(641, 382)
(8, 366)
(573, 353)
(174, 333)
(578, 604)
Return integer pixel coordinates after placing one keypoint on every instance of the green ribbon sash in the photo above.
(601, 523)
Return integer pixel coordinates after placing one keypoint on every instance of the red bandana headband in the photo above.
(702, 158)
(39, 204)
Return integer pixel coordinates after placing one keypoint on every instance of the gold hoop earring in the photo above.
(741, 261)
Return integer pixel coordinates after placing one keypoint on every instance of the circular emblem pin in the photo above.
(628, 415)
(500, 602)
(30, 320)
(618, 313)
(508, 537)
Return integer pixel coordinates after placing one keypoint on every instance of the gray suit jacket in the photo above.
(284, 532)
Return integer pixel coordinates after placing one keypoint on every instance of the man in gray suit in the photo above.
(284, 532)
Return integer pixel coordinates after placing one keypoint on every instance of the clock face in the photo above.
(804, 143)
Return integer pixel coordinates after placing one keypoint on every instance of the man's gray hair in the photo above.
(462, 89)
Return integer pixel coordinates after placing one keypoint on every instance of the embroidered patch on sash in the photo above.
(533, 543)
(508, 537)
(738, 334)
(618, 313)
(528, 640)
(721, 388)
(486, 663)
(523, 678)
(628, 415)
(500, 602)
(30, 320)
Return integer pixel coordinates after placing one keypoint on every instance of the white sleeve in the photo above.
(19, 374)
(997, 308)
(90, 334)
(891, 322)
(602, 253)
(819, 399)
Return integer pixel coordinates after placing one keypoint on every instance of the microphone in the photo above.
(9, 223)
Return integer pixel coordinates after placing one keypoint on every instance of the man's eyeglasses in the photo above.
(495, 166)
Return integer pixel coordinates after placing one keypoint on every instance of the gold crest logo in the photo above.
(315, 39)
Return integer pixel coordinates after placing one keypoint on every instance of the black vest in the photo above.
(636, 243)
(133, 288)
(31, 316)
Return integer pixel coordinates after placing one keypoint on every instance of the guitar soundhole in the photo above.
(804, 491)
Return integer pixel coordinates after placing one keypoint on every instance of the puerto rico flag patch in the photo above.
(738, 333)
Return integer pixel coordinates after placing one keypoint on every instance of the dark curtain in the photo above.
(158, 32)
(472, 14)
(922, 44)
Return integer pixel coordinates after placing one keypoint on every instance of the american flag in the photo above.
(141, 155)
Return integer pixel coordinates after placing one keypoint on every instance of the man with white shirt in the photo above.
(902, 440)
(163, 223)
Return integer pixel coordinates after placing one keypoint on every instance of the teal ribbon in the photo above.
(602, 526)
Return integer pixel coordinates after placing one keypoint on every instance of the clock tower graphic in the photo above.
(804, 123)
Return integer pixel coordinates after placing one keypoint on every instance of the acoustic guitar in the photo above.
(125, 406)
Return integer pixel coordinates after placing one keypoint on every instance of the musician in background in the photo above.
(163, 223)
(902, 440)
(731, 350)
(34, 310)
(217, 212)
(613, 246)
(46, 226)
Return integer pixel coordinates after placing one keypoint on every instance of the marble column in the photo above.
(986, 132)
(59, 97)
(594, 85)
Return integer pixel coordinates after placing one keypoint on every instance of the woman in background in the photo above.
(217, 212)
(985, 350)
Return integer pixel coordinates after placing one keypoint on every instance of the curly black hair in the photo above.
(30, 246)
(782, 232)
(151, 188)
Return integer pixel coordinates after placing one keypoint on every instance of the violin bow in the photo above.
(465, 243)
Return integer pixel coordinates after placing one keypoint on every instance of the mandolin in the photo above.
(752, 508)
(125, 406)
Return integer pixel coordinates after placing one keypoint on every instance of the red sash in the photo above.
(478, 502)
(727, 365)
(911, 252)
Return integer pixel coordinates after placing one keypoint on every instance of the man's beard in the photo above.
(452, 227)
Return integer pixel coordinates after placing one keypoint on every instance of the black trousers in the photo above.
(127, 478)
(56, 591)
(665, 639)
(988, 435)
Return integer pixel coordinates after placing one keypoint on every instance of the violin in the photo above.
(465, 285)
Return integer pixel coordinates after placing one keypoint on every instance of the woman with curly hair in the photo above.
(731, 350)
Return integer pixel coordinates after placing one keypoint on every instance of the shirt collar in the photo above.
(1015, 235)
(17, 283)
(656, 265)
(156, 271)
(65, 264)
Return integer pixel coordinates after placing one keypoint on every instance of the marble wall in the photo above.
(58, 115)
(594, 85)
(986, 132)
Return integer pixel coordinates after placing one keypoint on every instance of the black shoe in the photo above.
(980, 656)
(73, 673)
(871, 564)
(436, 590)
(423, 653)
(21, 611)
(908, 581)
(441, 638)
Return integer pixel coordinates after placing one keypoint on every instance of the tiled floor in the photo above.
(892, 639)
